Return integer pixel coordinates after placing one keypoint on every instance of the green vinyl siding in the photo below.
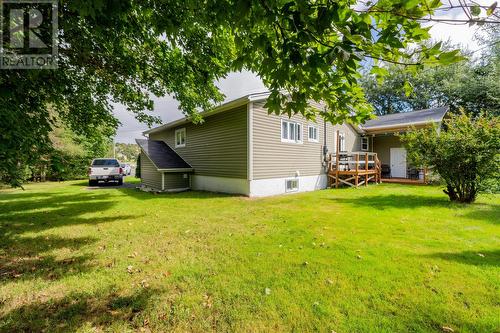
(176, 180)
(150, 177)
(273, 158)
(217, 147)
(352, 138)
(382, 145)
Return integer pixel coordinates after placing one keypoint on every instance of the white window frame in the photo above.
(293, 189)
(341, 143)
(365, 141)
(298, 130)
(180, 131)
(315, 127)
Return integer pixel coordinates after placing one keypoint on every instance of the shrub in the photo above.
(465, 153)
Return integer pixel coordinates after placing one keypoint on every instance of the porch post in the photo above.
(366, 169)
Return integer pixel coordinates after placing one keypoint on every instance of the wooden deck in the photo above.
(353, 169)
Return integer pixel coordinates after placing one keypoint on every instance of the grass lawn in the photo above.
(387, 258)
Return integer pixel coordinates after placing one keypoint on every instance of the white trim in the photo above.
(176, 170)
(163, 181)
(367, 143)
(250, 140)
(180, 130)
(220, 184)
(289, 121)
(342, 142)
(276, 186)
(317, 133)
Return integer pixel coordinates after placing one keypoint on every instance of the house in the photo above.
(241, 149)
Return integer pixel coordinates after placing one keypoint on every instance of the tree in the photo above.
(127, 152)
(471, 84)
(466, 154)
(124, 51)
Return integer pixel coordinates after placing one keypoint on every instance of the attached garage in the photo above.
(162, 169)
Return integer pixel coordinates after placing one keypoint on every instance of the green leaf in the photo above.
(475, 10)
(379, 71)
(409, 4)
(408, 88)
(491, 9)
(450, 57)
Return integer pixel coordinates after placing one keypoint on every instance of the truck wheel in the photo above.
(92, 182)
(120, 182)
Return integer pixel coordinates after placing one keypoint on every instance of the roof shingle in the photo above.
(162, 155)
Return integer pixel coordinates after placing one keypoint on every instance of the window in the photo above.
(291, 131)
(313, 133)
(180, 138)
(106, 162)
(342, 142)
(292, 185)
(364, 143)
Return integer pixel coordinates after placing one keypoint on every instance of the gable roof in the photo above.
(405, 119)
(163, 157)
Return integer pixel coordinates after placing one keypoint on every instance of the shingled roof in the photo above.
(162, 156)
(405, 119)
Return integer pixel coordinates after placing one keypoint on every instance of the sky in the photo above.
(242, 83)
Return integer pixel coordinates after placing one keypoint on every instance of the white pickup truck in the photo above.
(106, 170)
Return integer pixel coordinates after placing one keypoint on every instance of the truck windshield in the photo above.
(109, 162)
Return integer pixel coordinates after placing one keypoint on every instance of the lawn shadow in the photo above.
(23, 256)
(190, 194)
(476, 258)
(403, 201)
(486, 212)
(72, 312)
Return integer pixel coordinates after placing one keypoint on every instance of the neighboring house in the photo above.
(240, 148)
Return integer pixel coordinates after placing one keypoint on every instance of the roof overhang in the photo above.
(398, 128)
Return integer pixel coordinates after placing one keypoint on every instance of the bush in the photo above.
(465, 153)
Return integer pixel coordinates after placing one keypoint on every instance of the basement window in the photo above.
(180, 137)
(292, 185)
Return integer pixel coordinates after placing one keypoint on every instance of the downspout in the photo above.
(325, 148)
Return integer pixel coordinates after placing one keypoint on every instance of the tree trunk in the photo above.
(450, 190)
(462, 194)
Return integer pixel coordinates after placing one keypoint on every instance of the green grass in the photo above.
(386, 258)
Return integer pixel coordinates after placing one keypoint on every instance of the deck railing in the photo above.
(353, 168)
(354, 161)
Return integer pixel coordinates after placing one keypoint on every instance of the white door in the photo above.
(398, 162)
